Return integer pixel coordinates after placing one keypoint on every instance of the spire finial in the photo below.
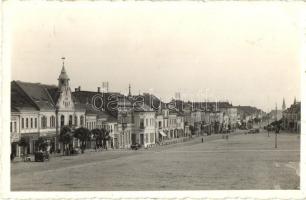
(130, 90)
(284, 104)
(63, 58)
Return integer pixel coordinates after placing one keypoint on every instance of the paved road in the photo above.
(242, 162)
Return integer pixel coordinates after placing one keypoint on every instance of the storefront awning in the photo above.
(162, 133)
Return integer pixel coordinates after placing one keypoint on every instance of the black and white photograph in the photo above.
(154, 96)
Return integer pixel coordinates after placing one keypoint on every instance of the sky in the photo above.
(248, 53)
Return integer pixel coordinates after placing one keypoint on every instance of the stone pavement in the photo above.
(241, 162)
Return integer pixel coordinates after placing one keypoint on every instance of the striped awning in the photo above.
(162, 133)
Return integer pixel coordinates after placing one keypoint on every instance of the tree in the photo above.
(98, 136)
(23, 143)
(83, 134)
(192, 129)
(66, 139)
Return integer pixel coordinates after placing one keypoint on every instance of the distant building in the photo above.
(292, 117)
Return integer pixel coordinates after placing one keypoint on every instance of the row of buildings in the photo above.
(291, 117)
(40, 110)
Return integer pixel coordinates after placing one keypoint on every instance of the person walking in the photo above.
(202, 140)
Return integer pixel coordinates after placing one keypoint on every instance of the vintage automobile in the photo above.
(135, 146)
(75, 151)
(41, 156)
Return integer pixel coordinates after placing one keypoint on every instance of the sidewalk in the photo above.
(168, 143)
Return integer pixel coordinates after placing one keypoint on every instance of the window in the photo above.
(31, 122)
(82, 120)
(15, 126)
(62, 120)
(141, 124)
(75, 120)
(43, 122)
(22, 122)
(52, 121)
(11, 127)
(147, 122)
(35, 122)
(27, 123)
(70, 120)
(152, 137)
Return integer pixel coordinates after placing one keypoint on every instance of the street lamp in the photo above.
(56, 146)
(123, 123)
(277, 127)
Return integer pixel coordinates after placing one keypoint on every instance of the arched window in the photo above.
(52, 121)
(43, 122)
(75, 120)
(70, 120)
(62, 120)
(82, 120)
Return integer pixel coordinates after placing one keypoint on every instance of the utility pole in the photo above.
(268, 126)
(276, 128)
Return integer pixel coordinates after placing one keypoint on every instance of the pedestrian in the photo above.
(202, 140)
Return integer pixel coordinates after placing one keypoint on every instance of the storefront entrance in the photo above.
(141, 139)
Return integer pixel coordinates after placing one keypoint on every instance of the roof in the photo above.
(37, 94)
(107, 116)
(63, 74)
(19, 100)
(247, 110)
(85, 100)
(175, 111)
(54, 93)
(294, 108)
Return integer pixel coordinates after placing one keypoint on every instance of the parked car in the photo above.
(251, 131)
(41, 156)
(135, 146)
(75, 151)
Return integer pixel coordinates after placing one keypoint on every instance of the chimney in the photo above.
(79, 88)
(99, 89)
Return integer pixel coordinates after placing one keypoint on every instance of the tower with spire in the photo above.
(64, 101)
(63, 79)
(284, 105)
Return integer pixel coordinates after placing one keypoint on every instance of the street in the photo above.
(242, 162)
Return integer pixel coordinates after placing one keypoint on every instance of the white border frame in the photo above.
(5, 193)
